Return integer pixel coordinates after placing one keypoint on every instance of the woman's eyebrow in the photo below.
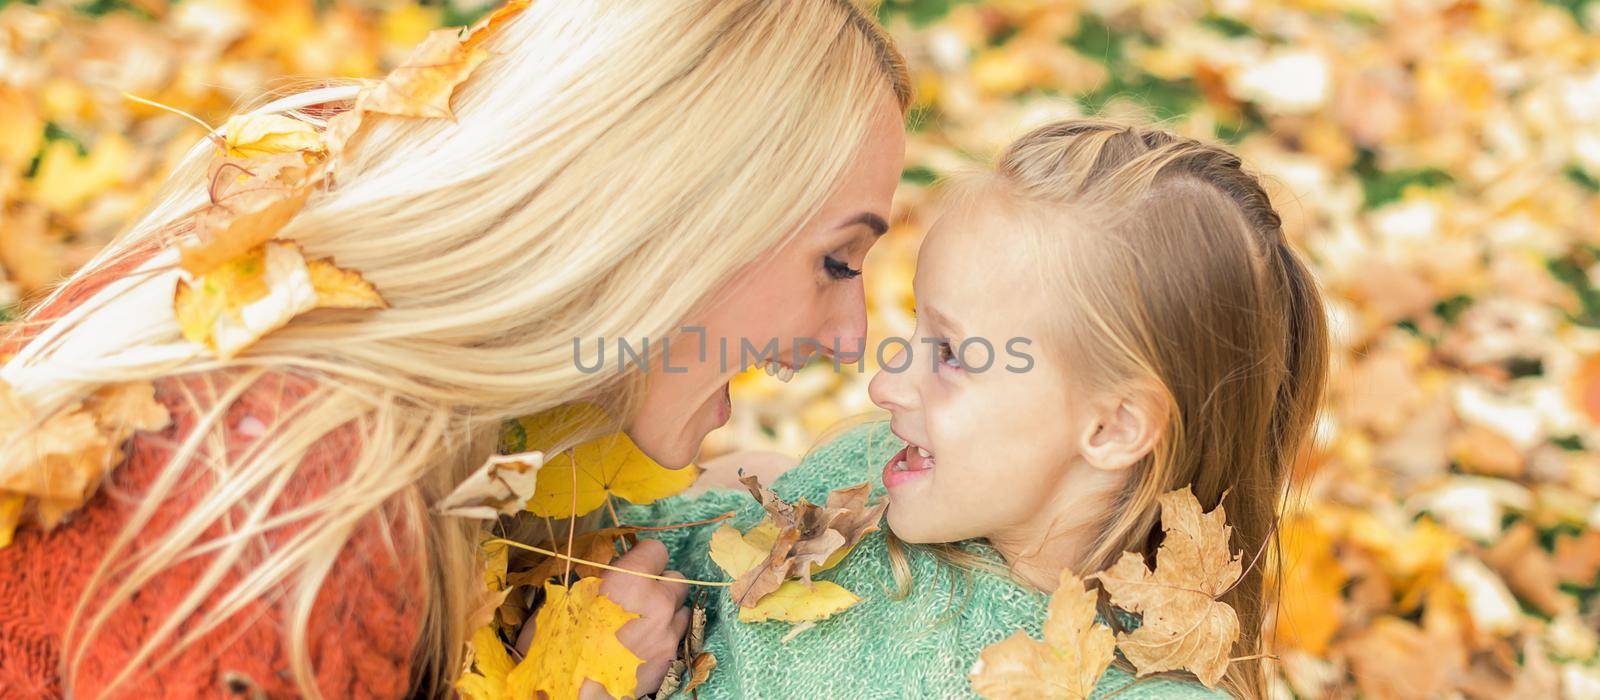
(869, 220)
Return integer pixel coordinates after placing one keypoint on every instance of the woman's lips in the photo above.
(907, 465)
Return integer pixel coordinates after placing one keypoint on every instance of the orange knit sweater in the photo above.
(366, 622)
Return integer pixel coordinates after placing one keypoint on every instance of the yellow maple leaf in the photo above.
(794, 601)
(256, 135)
(251, 201)
(1184, 625)
(231, 307)
(1075, 652)
(575, 639)
(490, 664)
(421, 86)
(607, 465)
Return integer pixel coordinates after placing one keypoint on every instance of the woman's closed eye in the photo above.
(838, 269)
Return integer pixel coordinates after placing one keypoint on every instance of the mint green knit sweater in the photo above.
(917, 647)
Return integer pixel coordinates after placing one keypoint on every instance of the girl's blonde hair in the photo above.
(1169, 266)
(607, 168)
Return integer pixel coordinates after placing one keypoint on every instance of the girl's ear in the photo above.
(1125, 428)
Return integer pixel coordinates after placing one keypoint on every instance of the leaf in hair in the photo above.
(499, 487)
(422, 85)
(231, 307)
(1184, 625)
(258, 135)
(1074, 654)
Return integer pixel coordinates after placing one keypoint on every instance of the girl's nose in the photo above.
(891, 387)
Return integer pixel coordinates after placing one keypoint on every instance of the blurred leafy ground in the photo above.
(1438, 161)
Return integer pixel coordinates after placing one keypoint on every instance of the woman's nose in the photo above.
(891, 388)
(845, 334)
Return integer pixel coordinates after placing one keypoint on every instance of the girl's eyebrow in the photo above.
(870, 220)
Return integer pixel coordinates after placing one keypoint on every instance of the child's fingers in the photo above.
(680, 623)
(679, 590)
(646, 557)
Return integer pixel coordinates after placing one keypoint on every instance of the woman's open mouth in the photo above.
(907, 465)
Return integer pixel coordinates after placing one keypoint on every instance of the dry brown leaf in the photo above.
(55, 463)
(1392, 659)
(1066, 666)
(1528, 570)
(1184, 625)
(499, 487)
(822, 534)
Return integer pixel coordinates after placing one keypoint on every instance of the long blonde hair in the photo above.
(608, 167)
(1168, 264)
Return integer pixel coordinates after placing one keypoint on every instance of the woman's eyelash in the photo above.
(838, 270)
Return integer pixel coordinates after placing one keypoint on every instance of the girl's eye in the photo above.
(837, 268)
(947, 355)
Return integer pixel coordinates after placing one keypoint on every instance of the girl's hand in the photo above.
(662, 621)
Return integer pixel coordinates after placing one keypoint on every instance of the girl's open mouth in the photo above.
(909, 464)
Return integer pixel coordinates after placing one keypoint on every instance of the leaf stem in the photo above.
(659, 528)
(598, 565)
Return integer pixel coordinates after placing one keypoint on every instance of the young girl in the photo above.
(1176, 341)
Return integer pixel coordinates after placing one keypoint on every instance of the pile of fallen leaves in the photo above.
(1438, 162)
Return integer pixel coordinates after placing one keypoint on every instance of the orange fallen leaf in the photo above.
(1184, 625)
(1577, 557)
(1066, 666)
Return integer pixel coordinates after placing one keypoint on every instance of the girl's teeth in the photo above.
(925, 454)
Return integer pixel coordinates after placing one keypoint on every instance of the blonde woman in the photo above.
(625, 169)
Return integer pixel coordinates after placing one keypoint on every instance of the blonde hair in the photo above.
(607, 168)
(1174, 270)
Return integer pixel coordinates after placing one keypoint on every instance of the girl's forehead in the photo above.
(978, 268)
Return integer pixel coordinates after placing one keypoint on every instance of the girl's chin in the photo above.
(904, 524)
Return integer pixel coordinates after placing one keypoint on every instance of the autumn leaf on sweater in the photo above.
(52, 465)
(773, 563)
(575, 639)
(609, 465)
(748, 557)
(1184, 625)
(499, 487)
(1065, 666)
(804, 537)
(234, 305)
